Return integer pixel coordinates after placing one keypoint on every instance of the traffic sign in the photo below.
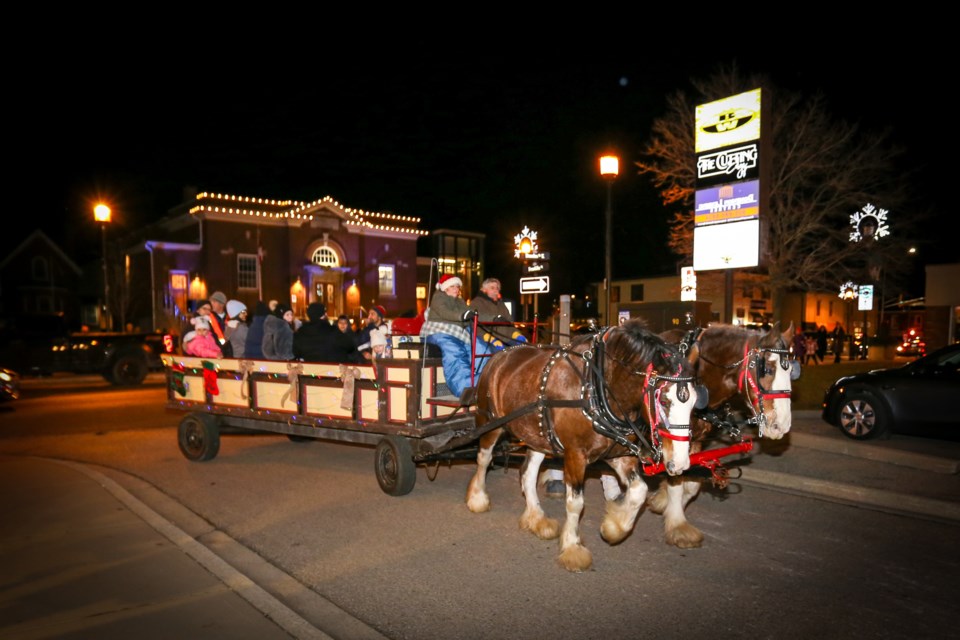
(539, 284)
(535, 268)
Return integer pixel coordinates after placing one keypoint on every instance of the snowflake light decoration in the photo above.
(848, 291)
(530, 237)
(869, 217)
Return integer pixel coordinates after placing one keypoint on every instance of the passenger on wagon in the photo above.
(448, 327)
(491, 307)
(200, 342)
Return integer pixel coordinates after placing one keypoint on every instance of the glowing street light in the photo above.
(101, 213)
(609, 170)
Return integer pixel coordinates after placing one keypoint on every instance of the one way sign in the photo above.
(540, 284)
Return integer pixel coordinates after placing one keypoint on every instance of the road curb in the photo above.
(921, 461)
(880, 500)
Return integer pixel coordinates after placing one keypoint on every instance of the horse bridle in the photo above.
(754, 359)
(596, 403)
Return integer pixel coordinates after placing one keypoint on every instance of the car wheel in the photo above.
(862, 417)
(127, 370)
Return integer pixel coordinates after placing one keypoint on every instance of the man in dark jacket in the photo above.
(319, 341)
(254, 347)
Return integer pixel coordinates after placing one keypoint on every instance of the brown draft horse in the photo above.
(599, 398)
(747, 375)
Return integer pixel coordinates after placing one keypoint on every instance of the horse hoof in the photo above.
(576, 559)
(685, 537)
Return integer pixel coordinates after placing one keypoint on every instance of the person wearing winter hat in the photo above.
(448, 326)
(202, 344)
(489, 304)
(237, 328)
(218, 321)
(277, 340)
(378, 344)
(319, 341)
(376, 319)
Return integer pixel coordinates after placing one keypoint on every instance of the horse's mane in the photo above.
(634, 343)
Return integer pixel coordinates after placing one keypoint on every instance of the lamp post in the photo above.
(609, 170)
(101, 213)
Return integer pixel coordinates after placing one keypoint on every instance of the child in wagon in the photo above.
(200, 342)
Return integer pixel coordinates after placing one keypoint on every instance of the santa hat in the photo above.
(447, 280)
(380, 311)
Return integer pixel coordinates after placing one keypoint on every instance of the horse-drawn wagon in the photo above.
(399, 405)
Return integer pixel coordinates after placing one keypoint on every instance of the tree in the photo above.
(823, 171)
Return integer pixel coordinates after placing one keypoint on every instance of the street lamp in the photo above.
(609, 170)
(101, 213)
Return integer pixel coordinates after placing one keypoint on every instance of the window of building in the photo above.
(40, 269)
(636, 292)
(615, 293)
(248, 271)
(325, 257)
(387, 280)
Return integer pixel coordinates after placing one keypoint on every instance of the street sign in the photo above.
(535, 268)
(540, 284)
(545, 255)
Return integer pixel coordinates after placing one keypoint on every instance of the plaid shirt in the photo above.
(430, 328)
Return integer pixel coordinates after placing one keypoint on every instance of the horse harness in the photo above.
(750, 386)
(595, 404)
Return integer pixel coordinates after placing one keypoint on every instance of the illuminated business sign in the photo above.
(865, 298)
(728, 165)
(726, 246)
(727, 122)
(728, 203)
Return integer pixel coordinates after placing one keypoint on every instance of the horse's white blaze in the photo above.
(779, 419)
(679, 414)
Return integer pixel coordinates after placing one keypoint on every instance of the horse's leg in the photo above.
(676, 529)
(477, 499)
(573, 555)
(622, 512)
(533, 518)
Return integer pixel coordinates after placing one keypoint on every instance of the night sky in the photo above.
(479, 146)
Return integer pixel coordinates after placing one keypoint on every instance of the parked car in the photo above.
(9, 385)
(914, 399)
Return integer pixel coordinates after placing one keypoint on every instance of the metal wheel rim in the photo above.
(858, 417)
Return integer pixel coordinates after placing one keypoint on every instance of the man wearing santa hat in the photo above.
(448, 325)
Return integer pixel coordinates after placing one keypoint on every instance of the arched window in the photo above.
(325, 257)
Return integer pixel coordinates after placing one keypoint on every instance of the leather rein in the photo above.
(595, 401)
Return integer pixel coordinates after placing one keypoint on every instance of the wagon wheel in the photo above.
(199, 437)
(394, 466)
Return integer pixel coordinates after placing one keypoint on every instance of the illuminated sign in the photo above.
(728, 165)
(865, 298)
(729, 121)
(726, 246)
(728, 203)
(688, 284)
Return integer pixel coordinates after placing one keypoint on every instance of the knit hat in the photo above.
(219, 296)
(447, 280)
(377, 338)
(201, 304)
(380, 311)
(316, 311)
(235, 308)
(200, 322)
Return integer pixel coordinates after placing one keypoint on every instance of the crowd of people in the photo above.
(224, 328)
